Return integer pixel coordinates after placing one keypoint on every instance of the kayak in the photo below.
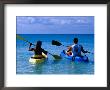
(36, 59)
(75, 59)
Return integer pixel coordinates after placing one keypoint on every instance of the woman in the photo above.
(38, 51)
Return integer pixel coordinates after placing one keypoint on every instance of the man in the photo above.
(76, 49)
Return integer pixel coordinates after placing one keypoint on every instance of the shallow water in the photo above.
(51, 66)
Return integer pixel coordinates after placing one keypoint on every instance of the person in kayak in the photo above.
(38, 50)
(76, 49)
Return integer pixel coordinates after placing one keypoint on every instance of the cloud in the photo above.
(54, 20)
(25, 20)
(55, 24)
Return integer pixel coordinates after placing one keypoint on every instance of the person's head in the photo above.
(39, 44)
(75, 40)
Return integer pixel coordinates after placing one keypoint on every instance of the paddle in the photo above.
(56, 56)
(21, 38)
(57, 43)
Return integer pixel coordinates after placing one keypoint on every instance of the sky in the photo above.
(55, 24)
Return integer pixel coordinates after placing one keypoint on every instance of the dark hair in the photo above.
(75, 40)
(39, 43)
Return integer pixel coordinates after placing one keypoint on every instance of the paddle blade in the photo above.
(56, 43)
(57, 57)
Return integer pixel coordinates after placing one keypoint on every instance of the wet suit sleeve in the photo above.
(83, 50)
(44, 51)
(31, 49)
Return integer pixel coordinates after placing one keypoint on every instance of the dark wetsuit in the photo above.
(39, 51)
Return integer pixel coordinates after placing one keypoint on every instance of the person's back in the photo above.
(38, 50)
(76, 49)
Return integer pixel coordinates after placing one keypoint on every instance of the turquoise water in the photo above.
(51, 66)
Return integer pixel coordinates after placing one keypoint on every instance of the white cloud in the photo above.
(54, 20)
(31, 19)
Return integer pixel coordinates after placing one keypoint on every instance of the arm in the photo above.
(84, 50)
(44, 51)
(30, 49)
(69, 49)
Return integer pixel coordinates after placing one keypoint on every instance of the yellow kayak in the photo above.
(35, 59)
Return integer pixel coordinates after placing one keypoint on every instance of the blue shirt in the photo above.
(77, 49)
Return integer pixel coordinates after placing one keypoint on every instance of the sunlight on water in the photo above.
(52, 66)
